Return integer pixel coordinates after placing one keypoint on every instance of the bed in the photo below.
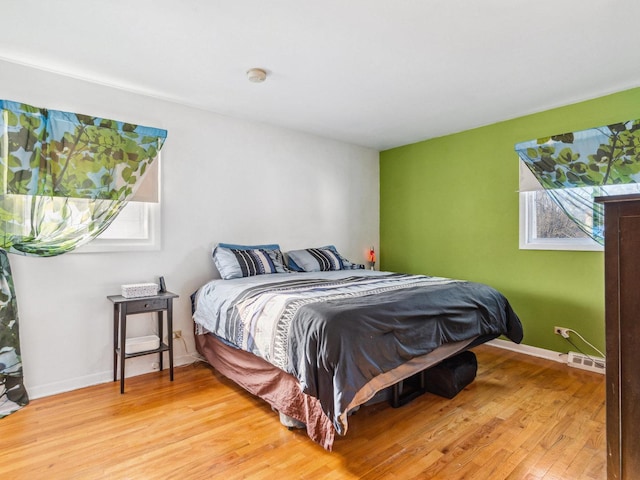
(318, 344)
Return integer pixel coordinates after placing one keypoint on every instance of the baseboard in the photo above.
(105, 377)
(529, 350)
(54, 388)
(96, 379)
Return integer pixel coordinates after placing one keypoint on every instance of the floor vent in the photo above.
(593, 364)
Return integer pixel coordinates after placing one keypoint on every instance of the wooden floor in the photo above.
(522, 418)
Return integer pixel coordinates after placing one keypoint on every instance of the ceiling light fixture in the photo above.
(256, 75)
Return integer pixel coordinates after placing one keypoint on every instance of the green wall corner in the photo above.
(449, 207)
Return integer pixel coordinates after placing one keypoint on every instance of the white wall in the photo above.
(223, 180)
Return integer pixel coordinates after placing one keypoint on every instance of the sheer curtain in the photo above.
(576, 167)
(64, 177)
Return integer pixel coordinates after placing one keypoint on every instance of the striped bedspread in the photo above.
(334, 331)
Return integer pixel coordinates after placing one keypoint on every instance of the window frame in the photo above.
(151, 242)
(528, 240)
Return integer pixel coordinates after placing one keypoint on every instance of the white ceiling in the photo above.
(377, 73)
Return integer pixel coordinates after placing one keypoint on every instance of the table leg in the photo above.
(170, 336)
(161, 335)
(116, 318)
(123, 342)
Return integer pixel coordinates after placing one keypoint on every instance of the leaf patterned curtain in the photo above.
(64, 177)
(576, 167)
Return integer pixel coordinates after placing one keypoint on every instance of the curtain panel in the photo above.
(576, 167)
(64, 177)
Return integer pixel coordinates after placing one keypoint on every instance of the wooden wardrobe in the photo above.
(622, 305)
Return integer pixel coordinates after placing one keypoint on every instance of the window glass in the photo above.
(136, 228)
(544, 226)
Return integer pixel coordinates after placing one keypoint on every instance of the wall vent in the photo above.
(593, 364)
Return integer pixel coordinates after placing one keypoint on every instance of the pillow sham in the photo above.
(237, 261)
(346, 264)
(317, 260)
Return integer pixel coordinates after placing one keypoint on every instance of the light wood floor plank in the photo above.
(522, 418)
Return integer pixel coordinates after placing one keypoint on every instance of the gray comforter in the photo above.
(335, 332)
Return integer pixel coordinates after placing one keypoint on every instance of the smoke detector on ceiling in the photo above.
(256, 75)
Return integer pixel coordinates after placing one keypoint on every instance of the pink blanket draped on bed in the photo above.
(280, 389)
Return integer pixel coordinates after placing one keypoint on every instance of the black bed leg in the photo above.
(395, 399)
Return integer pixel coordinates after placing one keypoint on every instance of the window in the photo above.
(544, 226)
(574, 168)
(136, 228)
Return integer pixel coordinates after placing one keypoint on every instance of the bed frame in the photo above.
(282, 390)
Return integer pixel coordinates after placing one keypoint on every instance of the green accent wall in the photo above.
(449, 207)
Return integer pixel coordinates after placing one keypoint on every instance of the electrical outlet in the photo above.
(562, 331)
(177, 334)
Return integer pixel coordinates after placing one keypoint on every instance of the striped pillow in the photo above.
(247, 262)
(315, 260)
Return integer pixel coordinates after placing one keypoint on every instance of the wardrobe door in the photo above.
(622, 293)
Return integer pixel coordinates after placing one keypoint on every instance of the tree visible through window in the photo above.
(545, 226)
(551, 221)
